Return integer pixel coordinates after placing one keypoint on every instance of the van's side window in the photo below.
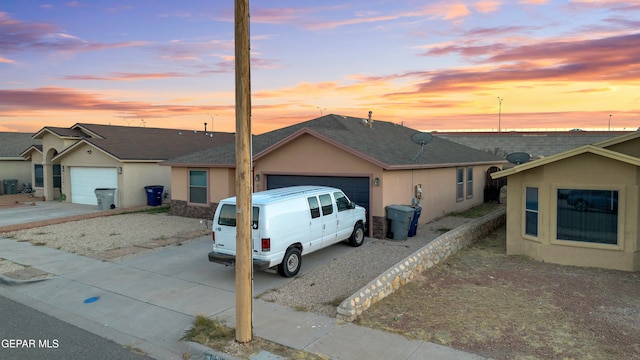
(314, 207)
(327, 206)
(341, 201)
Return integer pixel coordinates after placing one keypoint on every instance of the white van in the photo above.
(288, 223)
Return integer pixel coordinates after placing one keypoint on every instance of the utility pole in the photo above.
(244, 259)
(499, 111)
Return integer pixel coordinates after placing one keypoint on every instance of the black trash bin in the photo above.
(413, 229)
(400, 217)
(154, 194)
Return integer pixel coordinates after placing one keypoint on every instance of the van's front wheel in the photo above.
(357, 236)
(291, 263)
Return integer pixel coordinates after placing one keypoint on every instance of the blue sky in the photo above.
(436, 65)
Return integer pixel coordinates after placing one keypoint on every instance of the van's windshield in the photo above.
(228, 216)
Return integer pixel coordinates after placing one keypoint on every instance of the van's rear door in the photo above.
(225, 228)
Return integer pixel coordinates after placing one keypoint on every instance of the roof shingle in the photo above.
(387, 144)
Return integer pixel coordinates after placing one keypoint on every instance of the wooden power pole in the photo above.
(244, 259)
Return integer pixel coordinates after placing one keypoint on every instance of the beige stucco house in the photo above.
(73, 162)
(580, 207)
(15, 172)
(375, 162)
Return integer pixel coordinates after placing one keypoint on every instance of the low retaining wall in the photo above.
(406, 270)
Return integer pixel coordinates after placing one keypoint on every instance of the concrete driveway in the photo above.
(43, 211)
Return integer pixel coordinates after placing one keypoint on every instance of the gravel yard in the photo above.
(92, 236)
(322, 290)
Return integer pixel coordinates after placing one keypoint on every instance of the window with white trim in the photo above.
(531, 211)
(198, 186)
(460, 184)
(588, 215)
(469, 182)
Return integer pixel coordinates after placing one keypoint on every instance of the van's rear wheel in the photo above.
(291, 263)
(357, 236)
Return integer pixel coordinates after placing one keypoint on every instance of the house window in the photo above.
(587, 215)
(198, 186)
(57, 176)
(460, 184)
(531, 211)
(469, 182)
(39, 175)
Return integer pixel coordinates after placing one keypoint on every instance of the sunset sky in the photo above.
(431, 65)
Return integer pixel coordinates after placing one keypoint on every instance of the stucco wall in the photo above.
(17, 170)
(310, 156)
(221, 186)
(135, 176)
(587, 171)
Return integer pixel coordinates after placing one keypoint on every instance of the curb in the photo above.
(5, 280)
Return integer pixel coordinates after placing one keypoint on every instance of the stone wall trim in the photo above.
(428, 256)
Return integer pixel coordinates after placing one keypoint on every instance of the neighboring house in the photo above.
(73, 162)
(580, 207)
(538, 144)
(371, 161)
(13, 166)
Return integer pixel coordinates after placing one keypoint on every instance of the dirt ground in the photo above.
(9, 201)
(512, 307)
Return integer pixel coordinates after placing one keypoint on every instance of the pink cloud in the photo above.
(17, 36)
(51, 99)
(126, 76)
(487, 6)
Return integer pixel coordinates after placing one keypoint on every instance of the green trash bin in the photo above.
(400, 217)
(106, 198)
(10, 186)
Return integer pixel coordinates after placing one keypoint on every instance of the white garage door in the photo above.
(85, 180)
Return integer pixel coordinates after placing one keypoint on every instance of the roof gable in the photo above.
(385, 144)
(619, 139)
(128, 143)
(566, 155)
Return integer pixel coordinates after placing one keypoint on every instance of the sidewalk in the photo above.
(147, 302)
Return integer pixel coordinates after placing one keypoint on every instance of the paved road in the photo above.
(26, 333)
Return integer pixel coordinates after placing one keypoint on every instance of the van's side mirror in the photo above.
(352, 205)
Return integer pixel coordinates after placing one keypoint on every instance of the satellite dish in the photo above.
(518, 158)
(422, 139)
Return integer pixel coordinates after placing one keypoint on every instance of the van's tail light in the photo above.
(266, 244)
(213, 236)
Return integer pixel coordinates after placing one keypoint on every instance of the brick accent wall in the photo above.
(379, 227)
(182, 208)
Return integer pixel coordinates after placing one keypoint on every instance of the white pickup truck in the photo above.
(288, 223)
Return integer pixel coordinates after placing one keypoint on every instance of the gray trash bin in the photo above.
(105, 198)
(400, 217)
(10, 186)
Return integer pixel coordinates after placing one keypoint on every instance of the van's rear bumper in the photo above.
(230, 260)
